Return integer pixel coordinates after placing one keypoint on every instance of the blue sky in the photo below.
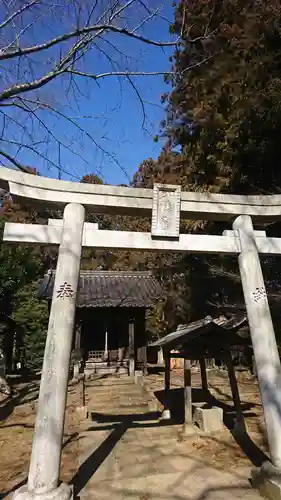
(110, 112)
(120, 129)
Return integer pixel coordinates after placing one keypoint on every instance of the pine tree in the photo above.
(225, 111)
(222, 128)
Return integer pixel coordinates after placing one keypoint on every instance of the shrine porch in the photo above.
(110, 328)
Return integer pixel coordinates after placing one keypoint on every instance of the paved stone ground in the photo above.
(125, 453)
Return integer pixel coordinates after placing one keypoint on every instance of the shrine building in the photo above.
(110, 326)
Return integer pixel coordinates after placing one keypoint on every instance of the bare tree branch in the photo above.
(87, 29)
(17, 13)
(27, 87)
(139, 98)
(118, 73)
(14, 162)
(51, 52)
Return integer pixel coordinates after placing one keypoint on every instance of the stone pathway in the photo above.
(126, 454)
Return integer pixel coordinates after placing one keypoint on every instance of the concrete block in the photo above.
(138, 377)
(209, 419)
(63, 492)
(271, 488)
(166, 415)
(267, 480)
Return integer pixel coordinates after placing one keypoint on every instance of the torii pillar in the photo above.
(43, 477)
(264, 343)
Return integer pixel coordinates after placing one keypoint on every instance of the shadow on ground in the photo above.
(244, 441)
(26, 394)
(67, 441)
(118, 425)
(155, 369)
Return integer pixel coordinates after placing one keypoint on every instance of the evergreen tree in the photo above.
(222, 126)
(225, 111)
(23, 319)
(31, 314)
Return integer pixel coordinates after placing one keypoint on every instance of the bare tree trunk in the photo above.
(4, 386)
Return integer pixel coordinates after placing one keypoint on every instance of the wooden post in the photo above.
(145, 360)
(254, 368)
(234, 390)
(262, 334)
(131, 349)
(204, 379)
(166, 415)
(43, 478)
(76, 367)
(187, 392)
(160, 357)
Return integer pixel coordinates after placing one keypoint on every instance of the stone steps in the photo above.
(121, 386)
(152, 429)
(111, 364)
(117, 396)
(104, 370)
(152, 443)
(107, 391)
(116, 399)
(118, 409)
(110, 381)
(133, 456)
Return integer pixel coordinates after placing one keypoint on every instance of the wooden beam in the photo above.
(55, 193)
(175, 355)
(145, 359)
(190, 243)
(51, 234)
(187, 392)
(204, 378)
(76, 366)
(167, 357)
(32, 233)
(59, 223)
(78, 336)
(120, 200)
(234, 389)
(131, 348)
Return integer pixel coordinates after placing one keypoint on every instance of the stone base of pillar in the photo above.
(63, 492)
(267, 480)
(166, 415)
(138, 377)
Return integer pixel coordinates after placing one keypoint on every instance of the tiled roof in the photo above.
(186, 333)
(110, 289)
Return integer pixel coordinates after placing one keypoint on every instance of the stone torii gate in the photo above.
(167, 204)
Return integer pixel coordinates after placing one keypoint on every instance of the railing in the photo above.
(97, 356)
(110, 356)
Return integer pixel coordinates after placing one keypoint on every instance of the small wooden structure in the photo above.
(204, 339)
(110, 318)
(12, 342)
